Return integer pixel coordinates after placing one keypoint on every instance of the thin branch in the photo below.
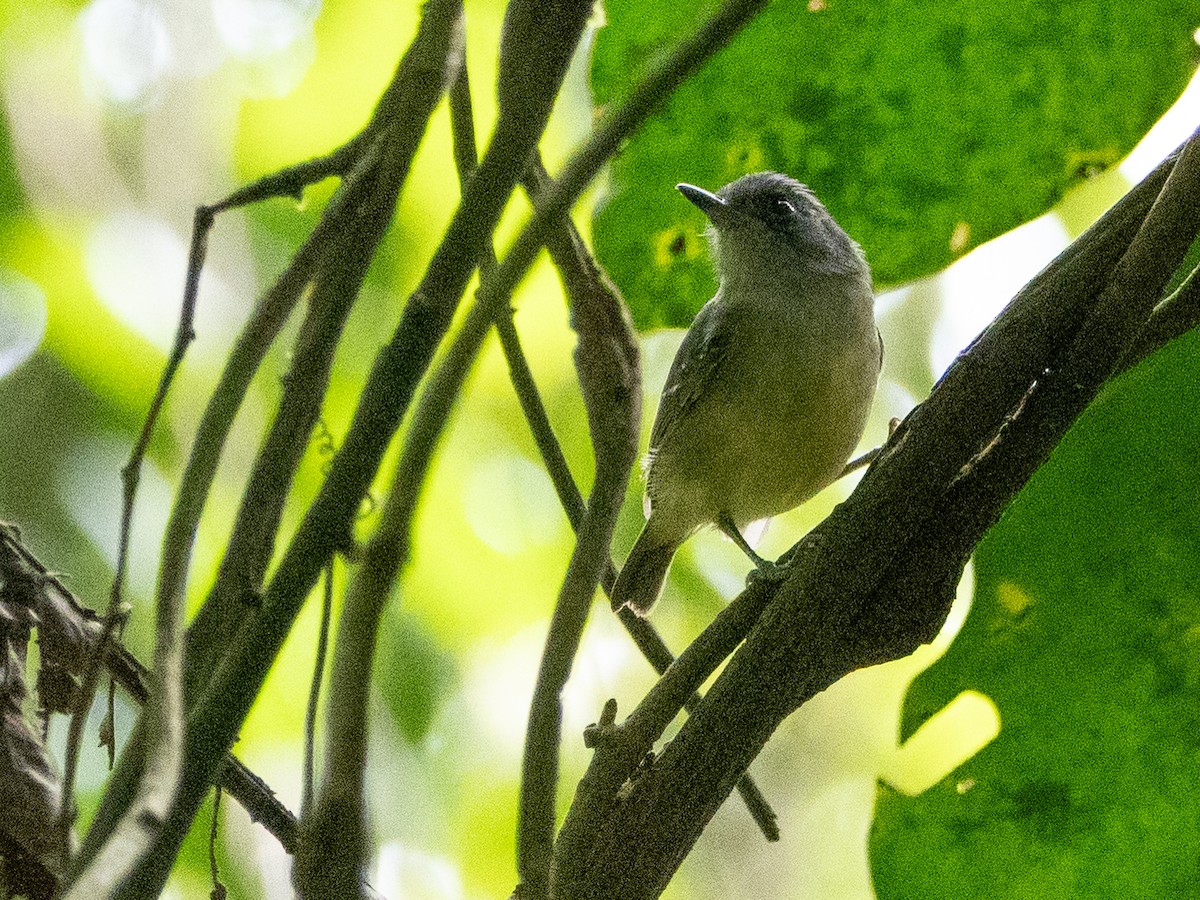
(291, 181)
(244, 361)
(621, 749)
(335, 285)
(257, 336)
(256, 797)
(575, 264)
(609, 370)
(645, 637)
(164, 709)
(218, 889)
(130, 475)
(330, 859)
(314, 693)
(572, 256)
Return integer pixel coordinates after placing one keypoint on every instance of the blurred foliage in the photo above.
(1086, 634)
(12, 196)
(414, 674)
(926, 127)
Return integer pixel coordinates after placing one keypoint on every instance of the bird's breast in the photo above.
(785, 408)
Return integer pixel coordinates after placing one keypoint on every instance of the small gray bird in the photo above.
(770, 390)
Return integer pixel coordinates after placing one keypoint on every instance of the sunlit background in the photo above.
(121, 116)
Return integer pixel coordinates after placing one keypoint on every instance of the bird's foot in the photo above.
(769, 572)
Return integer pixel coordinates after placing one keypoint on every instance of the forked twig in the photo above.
(289, 182)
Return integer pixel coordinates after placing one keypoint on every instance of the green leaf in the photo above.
(1086, 634)
(413, 673)
(927, 127)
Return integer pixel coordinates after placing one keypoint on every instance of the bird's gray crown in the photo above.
(786, 208)
(778, 200)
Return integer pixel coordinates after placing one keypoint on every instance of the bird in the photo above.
(769, 392)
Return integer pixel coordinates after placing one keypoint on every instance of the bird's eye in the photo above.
(784, 208)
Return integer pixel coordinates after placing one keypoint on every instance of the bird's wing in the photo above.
(698, 358)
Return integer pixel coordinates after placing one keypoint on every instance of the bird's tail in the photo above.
(641, 579)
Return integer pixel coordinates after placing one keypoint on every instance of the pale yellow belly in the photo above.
(769, 435)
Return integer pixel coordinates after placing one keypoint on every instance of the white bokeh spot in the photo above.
(22, 319)
(256, 28)
(126, 48)
(413, 874)
(136, 266)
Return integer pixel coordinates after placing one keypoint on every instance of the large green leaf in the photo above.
(1086, 633)
(927, 126)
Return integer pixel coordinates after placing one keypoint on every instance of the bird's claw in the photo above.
(768, 572)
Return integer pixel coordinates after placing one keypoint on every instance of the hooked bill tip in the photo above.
(707, 202)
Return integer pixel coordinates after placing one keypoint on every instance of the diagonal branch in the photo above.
(214, 720)
(379, 170)
(608, 364)
(857, 594)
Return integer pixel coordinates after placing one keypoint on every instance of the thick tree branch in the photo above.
(875, 580)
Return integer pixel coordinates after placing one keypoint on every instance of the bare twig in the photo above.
(406, 124)
(69, 632)
(130, 475)
(645, 637)
(164, 710)
(335, 287)
(623, 747)
(359, 217)
(288, 182)
(250, 350)
(218, 889)
(607, 361)
(571, 256)
(314, 692)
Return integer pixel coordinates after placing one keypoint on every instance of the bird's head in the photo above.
(767, 220)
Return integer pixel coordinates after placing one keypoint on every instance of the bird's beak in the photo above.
(710, 204)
